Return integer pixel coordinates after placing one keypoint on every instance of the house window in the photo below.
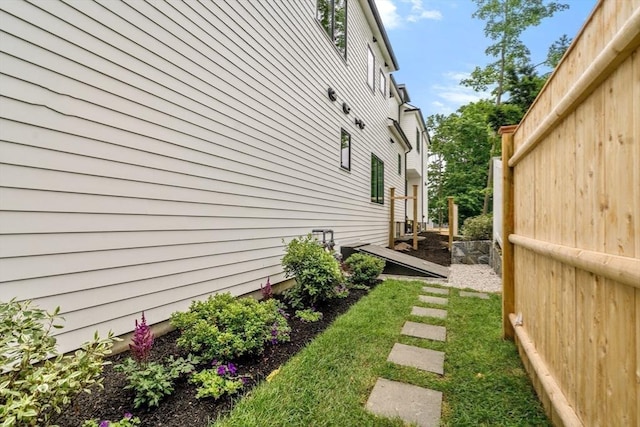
(332, 15)
(418, 140)
(345, 150)
(377, 180)
(383, 82)
(399, 164)
(371, 65)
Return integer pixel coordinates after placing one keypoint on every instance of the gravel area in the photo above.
(479, 277)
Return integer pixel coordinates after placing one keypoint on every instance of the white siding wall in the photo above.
(153, 153)
(410, 121)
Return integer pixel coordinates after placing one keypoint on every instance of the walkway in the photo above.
(409, 402)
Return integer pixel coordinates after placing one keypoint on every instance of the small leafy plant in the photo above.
(224, 328)
(364, 269)
(36, 380)
(151, 381)
(220, 380)
(478, 227)
(309, 315)
(127, 420)
(316, 271)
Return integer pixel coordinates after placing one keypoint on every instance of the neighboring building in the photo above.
(154, 153)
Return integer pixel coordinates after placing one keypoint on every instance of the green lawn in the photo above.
(328, 383)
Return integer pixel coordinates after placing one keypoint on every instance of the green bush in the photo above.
(36, 380)
(316, 271)
(218, 381)
(151, 381)
(309, 315)
(224, 328)
(364, 269)
(478, 227)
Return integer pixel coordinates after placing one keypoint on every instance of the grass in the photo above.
(328, 383)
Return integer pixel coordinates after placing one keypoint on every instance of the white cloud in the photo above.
(418, 13)
(451, 95)
(391, 18)
(389, 14)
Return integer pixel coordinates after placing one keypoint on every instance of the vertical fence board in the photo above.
(577, 185)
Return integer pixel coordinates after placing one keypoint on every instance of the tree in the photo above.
(506, 20)
(461, 143)
(556, 51)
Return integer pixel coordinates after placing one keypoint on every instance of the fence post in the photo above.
(415, 217)
(392, 213)
(508, 279)
(451, 220)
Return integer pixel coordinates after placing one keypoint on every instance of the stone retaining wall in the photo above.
(471, 252)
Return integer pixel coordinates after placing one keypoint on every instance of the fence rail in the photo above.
(571, 224)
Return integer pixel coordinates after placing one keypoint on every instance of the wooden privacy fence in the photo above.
(453, 220)
(571, 221)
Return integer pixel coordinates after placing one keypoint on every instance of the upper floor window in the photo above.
(383, 82)
(418, 140)
(399, 164)
(332, 15)
(377, 180)
(371, 65)
(345, 150)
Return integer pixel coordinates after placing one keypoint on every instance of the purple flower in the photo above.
(222, 369)
(104, 423)
(232, 368)
(142, 341)
(215, 362)
(127, 415)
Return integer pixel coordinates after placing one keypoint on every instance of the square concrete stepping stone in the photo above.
(422, 330)
(411, 403)
(421, 358)
(438, 291)
(429, 312)
(433, 300)
(480, 295)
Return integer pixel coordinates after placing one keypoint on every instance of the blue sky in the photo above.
(437, 43)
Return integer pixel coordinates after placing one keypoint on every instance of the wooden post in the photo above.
(392, 213)
(415, 217)
(451, 219)
(508, 279)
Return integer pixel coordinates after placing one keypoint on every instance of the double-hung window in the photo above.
(383, 83)
(345, 150)
(377, 180)
(332, 15)
(371, 68)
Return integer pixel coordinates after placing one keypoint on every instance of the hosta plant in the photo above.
(35, 380)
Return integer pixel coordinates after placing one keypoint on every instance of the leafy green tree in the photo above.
(505, 21)
(557, 50)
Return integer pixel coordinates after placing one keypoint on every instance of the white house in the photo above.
(152, 153)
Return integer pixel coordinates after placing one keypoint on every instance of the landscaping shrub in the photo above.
(224, 328)
(151, 381)
(478, 227)
(220, 380)
(36, 380)
(316, 271)
(364, 269)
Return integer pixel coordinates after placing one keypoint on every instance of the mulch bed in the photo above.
(434, 248)
(182, 408)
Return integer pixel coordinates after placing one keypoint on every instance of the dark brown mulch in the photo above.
(182, 408)
(434, 248)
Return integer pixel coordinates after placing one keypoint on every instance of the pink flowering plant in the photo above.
(267, 292)
(219, 380)
(151, 381)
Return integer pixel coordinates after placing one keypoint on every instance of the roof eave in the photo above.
(383, 33)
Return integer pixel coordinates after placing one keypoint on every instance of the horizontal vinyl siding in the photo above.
(154, 153)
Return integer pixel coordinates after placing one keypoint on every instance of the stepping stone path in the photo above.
(433, 300)
(409, 402)
(421, 358)
(480, 295)
(429, 312)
